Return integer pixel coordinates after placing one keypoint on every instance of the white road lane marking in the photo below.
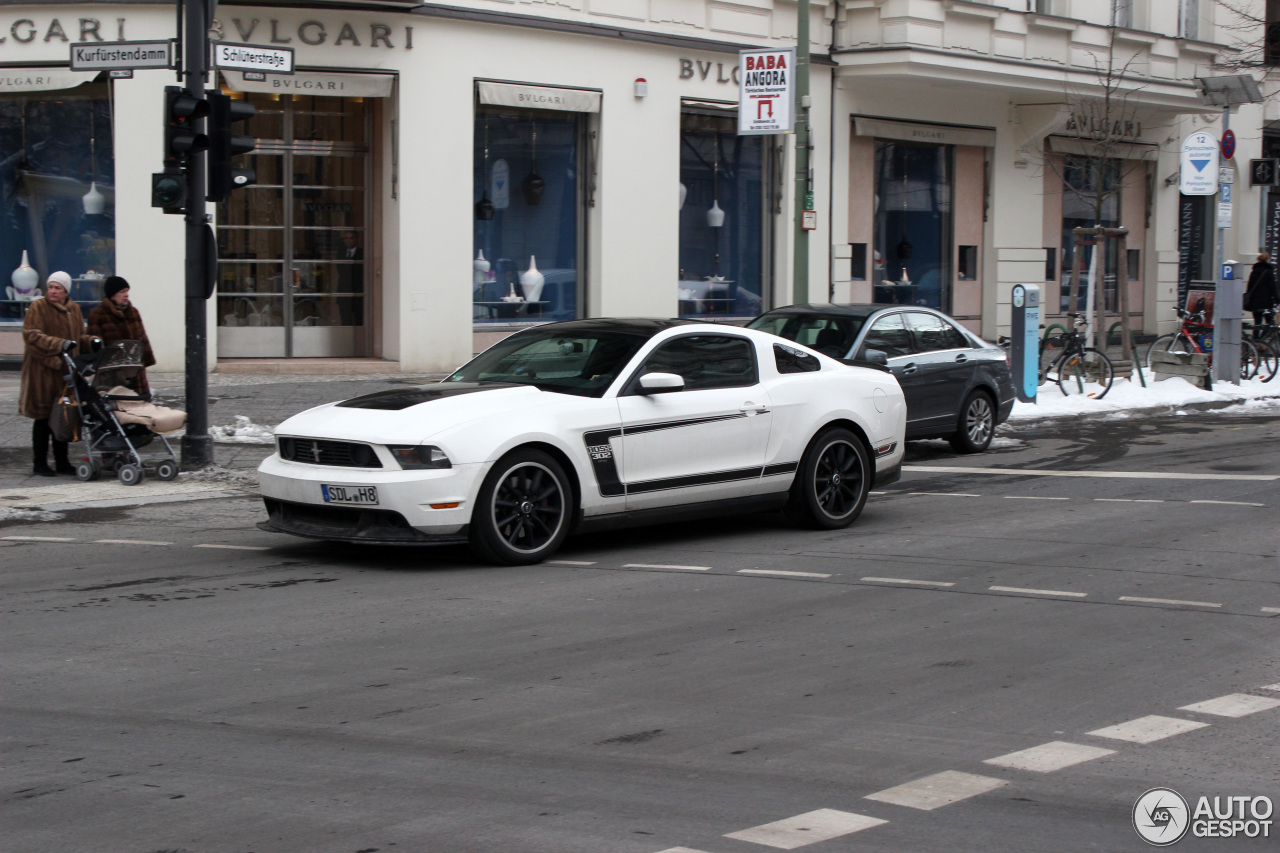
(940, 789)
(1148, 729)
(1272, 687)
(1233, 705)
(572, 562)
(128, 542)
(946, 494)
(909, 581)
(1271, 610)
(681, 850)
(1032, 498)
(236, 547)
(1037, 591)
(41, 538)
(1168, 601)
(781, 573)
(877, 493)
(664, 566)
(1048, 757)
(808, 828)
(1123, 475)
(1229, 503)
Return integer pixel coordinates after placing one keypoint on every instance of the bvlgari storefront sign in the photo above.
(42, 79)
(341, 85)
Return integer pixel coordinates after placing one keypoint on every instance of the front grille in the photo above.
(319, 451)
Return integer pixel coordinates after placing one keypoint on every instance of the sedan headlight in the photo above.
(414, 456)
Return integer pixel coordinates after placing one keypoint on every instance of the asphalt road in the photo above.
(725, 687)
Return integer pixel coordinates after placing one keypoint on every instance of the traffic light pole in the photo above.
(197, 444)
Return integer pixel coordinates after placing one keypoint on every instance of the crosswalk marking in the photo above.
(808, 828)
(1148, 729)
(1233, 705)
(1048, 757)
(940, 789)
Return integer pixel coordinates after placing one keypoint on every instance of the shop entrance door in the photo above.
(291, 272)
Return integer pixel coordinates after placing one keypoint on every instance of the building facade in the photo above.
(436, 176)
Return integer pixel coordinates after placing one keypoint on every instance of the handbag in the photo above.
(64, 418)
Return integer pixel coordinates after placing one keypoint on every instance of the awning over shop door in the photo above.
(315, 83)
(42, 79)
(538, 97)
(938, 134)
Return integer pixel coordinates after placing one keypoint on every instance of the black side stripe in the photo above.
(780, 468)
(693, 480)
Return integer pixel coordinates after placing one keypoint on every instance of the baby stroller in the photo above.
(115, 422)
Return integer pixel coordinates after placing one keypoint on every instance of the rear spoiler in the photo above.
(858, 362)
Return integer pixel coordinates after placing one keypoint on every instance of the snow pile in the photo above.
(8, 513)
(218, 474)
(244, 431)
(1129, 395)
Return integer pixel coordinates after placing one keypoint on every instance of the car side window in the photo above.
(706, 361)
(791, 360)
(889, 335)
(933, 333)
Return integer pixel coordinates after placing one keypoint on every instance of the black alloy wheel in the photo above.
(523, 509)
(977, 424)
(831, 486)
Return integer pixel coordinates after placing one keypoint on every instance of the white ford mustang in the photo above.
(590, 424)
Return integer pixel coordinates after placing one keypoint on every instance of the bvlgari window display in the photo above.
(723, 223)
(913, 225)
(57, 198)
(527, 215)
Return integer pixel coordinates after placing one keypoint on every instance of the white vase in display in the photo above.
(94, 201)
(715, 216)
(481, 269)
(25, 278)
(531, 281)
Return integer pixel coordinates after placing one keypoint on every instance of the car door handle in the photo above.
(961, 358)
(910, 368)
(758, 408)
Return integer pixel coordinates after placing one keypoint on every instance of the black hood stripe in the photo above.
(396, 400)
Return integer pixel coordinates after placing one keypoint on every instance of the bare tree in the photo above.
(1254, 47)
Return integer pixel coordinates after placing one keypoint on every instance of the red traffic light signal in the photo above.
(224, 111)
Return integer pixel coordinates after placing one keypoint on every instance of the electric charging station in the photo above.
(1228, 314)
(1024, 350)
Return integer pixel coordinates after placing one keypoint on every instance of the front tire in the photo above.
(523, 509)
(976, 426)
(832, 484)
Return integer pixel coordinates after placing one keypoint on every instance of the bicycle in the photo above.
(1195, 336)
(1078, 370)
(1267, 341)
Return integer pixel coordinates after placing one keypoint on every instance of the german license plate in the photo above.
(358, 495)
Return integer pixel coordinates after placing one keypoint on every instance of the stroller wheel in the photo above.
(167, 470)
(130, 474)
(87, 470)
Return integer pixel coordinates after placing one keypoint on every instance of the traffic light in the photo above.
(224, 111)
(182, 137)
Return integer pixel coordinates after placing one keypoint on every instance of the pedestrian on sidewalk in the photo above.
(1262, 293)
(52, 322)
(117, 320)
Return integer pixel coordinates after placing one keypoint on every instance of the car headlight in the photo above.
(413, 456)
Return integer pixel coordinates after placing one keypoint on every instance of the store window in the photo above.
(528, 194)
(1090, 198)
(724, 226)
(57, 193)
(913, 224)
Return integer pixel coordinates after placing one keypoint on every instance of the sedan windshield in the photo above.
(578, 361)
(828, 334)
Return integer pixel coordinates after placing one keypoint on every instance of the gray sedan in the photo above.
(957, 385)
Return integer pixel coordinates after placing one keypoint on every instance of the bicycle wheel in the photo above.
(1086, 372)
(1173, 342)
(1250, 360)
(1269, 357)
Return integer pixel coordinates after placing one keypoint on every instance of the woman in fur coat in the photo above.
(51, 322)
(117, 320)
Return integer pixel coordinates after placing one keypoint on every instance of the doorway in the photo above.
(292, 278)
(913, 224)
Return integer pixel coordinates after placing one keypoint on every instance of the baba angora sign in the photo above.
(766, 91)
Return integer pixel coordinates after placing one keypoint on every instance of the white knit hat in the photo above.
(61, 278)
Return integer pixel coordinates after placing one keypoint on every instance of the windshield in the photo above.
(828, 334)
(579, 361)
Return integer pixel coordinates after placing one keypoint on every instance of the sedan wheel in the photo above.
(977, 425)
(522, 515)
(831, 486)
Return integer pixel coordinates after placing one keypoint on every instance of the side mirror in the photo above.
(661, 383)
(876, 356)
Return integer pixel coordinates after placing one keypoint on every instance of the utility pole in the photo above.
(804, 186)
(197, 444)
